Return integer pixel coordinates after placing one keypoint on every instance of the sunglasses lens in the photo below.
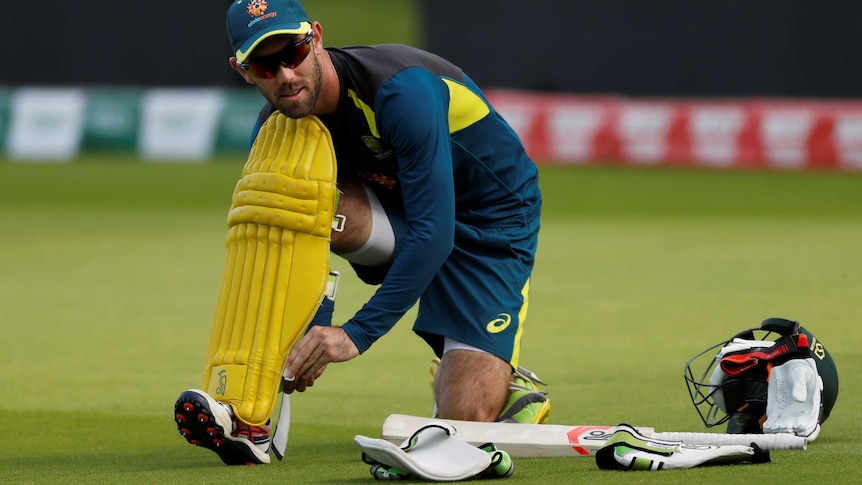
(265, 70)
(301, 52)
(294, 55)
(290, 57)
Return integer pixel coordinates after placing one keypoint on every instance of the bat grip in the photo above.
(780, 441)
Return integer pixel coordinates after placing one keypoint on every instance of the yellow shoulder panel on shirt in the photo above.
(465, 106)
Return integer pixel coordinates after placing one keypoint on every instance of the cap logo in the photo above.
(256, 8)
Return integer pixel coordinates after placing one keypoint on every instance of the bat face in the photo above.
(537, 440)
(519, 440)
(585, 440)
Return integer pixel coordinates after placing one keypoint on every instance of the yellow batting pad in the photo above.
(277, 264)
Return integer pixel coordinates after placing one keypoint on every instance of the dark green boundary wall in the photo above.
(799, 48)
(796, 48)
(129, 43)
(63, 42)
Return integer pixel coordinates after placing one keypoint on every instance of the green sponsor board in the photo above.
(237, 119)
(45, 123)
(179, 123)
(112, 119)
(5, 115)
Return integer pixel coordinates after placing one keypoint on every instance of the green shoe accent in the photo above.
(527, 403)
(527, 407)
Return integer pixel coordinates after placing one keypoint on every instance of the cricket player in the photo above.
(437, 203)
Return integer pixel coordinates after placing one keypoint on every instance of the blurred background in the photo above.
(773, 83)
(123, 131)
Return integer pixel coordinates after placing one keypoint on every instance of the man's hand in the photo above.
(317, 348)
(300, 385)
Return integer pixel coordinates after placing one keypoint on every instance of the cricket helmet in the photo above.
(728, 381)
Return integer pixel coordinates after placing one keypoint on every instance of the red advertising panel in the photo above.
(720, 133)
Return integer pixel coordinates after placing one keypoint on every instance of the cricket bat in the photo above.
(552, 440)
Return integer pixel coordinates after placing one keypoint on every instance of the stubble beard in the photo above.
(304, 106)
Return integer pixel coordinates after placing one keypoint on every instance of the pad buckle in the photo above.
(338, 222)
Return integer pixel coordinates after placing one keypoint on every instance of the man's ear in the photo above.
(242, 72)
(318, 32)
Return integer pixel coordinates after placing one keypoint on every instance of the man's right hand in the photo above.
(300, 385)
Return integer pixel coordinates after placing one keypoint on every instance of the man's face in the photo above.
(293, 91)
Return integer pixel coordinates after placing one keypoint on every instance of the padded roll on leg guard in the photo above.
(277, 264)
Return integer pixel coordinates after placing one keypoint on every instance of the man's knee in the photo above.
(353, 216)
(367, 237)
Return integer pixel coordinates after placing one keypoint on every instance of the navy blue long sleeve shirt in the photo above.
(420, 133)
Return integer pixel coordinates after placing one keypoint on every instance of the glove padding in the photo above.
(794, 399)
(435, 453)
(627, 449)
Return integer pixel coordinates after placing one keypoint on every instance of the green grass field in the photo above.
(348, 22)
(109, 272)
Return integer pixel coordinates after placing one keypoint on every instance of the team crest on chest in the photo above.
(376, 148)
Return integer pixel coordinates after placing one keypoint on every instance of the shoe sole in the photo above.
(203, 422)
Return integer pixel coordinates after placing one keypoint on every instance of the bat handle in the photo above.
(779, 441)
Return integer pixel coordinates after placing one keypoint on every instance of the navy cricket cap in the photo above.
(250, 22)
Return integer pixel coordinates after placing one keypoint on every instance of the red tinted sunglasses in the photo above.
(266, 67)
